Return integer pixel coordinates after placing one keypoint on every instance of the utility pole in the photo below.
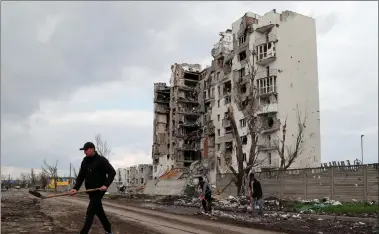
(70, 177)
(362, 147)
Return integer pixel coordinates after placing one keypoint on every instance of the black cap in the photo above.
(88, 145)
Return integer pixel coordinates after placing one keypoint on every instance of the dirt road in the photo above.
(23, 213)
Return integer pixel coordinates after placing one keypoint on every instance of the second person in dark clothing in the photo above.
(256, 189)
(97, 172)
(206, 195)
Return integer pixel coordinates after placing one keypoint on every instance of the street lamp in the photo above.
(362, 147)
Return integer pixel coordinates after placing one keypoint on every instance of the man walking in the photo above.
(97, 173)
(206, 195)
(256, 189)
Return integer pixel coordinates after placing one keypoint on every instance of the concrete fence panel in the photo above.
(343, 183)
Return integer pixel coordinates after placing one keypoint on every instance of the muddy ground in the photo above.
(21, 213)
(279, 221)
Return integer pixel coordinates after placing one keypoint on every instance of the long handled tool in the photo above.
(39, 195)
(251, 201)
(206, 202)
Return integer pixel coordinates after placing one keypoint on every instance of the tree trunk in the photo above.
(239, 152)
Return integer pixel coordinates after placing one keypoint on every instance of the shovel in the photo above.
(251, 201)
(39, 195)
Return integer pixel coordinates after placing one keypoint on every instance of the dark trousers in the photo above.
(207, 203)
(95, 207)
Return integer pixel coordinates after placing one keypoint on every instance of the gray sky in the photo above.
(70, 70)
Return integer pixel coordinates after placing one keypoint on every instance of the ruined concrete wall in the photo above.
(337, 183)
(184, 114)
(162, 97)
(145, 173)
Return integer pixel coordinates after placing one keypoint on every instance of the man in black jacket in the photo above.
(97, 172)
(256, 189)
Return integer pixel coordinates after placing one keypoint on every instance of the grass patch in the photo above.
(356, 208)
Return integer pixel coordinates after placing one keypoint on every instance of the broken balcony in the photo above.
(189, 146)
(160, 98)
(271, 37)
(267, 108)
(188, 135)
(189, 122)
(264, 28)
(164, 91)
(220, 49)
(267, 146)
(266, 53)
(226, 123)
(266, 73)
(194, 111)
(187, 88)
(190, 75)
(188, 100)
(161, 110)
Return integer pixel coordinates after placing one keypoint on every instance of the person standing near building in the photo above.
(97, 172)
(256, 189)
(206, 195)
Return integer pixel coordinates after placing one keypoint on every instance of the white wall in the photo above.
(297, 84)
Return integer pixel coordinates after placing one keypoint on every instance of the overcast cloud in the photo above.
(73, 69)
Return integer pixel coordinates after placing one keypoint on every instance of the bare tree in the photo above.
(52, 171)
(33, 177)
(245, 98)
(288, 153)
(24, 177)
(5, 181)
(44, 179)
(102, 146)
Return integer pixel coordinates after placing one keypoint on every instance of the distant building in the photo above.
(133, 176)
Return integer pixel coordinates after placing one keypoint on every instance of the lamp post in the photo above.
(362, 147)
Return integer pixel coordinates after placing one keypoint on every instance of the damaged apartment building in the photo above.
(177, 123)
(279, 50)
(134, 176)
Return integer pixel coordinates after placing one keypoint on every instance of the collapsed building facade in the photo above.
(280, 51)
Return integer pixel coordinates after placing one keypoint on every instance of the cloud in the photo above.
(73, 69)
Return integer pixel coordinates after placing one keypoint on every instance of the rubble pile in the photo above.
(230, 203)
(271, 204)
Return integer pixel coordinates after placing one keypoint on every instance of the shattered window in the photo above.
(241, 39)
(242, 55)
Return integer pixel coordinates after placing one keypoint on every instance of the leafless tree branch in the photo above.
(33, 177)
(52, 172)
(102, 146)
(289, 153)
(44, 179)
(245, 97)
